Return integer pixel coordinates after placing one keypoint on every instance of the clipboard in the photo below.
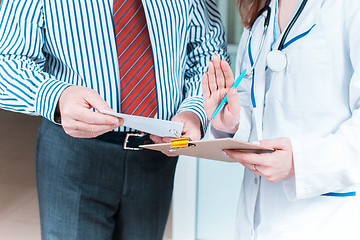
(207, 149)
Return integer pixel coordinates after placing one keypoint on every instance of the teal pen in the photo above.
(225, 100)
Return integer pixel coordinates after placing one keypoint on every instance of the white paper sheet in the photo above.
(157, 127)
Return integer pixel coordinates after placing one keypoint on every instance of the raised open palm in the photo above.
(215, 85)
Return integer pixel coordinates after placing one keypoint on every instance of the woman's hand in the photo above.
(215, 85)
(275, 166)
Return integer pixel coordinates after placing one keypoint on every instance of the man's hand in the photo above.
(77, 117)
(192, 128)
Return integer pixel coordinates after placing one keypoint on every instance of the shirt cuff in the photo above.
(195, 105)
(48, 96)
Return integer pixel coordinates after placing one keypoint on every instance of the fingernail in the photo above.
(234, 91)
(225, 154)
(256, 143)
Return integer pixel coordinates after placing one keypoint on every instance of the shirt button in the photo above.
(256, 180)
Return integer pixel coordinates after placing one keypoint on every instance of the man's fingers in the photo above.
(88, 116)
(80, 129)
(97, 130)
(96, 101)
(157, 139)
(77, 116)
(193, 134)
(166, 139)
(76, 102)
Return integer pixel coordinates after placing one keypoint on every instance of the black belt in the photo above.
(129, 141)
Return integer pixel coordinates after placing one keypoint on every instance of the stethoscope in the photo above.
(276, 59)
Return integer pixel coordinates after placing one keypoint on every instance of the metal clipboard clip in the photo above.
(180, 143)
(176, 133)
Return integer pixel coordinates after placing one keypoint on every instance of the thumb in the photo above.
(233, 102)
(96, 101)
(277, 143)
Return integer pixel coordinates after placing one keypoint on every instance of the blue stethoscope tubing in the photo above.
(282, 45)
(253, 61)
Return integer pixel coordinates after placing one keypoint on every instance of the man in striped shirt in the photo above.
(66, 60)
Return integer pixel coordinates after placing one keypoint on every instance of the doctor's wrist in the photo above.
(226, 129)
(233, 130)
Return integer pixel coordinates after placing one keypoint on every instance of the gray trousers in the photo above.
(92, 190)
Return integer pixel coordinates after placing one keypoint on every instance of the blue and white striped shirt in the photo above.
(47, 45)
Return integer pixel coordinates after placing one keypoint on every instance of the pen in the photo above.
(224, 101)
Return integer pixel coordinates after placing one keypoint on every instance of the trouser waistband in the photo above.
(129, 140)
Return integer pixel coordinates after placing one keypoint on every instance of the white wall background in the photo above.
(206, 191)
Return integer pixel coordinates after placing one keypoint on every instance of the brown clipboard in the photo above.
(209, 149)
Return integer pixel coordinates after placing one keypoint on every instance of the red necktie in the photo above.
(136, 64)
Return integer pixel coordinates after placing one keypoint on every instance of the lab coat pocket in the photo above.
(306, 83)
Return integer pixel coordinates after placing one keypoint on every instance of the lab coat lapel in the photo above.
(307, 19)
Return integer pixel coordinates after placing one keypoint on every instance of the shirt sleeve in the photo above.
(334, 159)
(206, 38)
(24, 85)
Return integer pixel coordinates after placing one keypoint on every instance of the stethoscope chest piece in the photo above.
(276, 60)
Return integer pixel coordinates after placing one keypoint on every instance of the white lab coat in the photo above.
(315, 102)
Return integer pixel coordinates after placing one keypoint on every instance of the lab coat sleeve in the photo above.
(206, 38)
(332, 163)
(24, 85)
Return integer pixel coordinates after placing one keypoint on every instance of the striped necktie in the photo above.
(136, 64)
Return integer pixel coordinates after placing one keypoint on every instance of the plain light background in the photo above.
(219, 183)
